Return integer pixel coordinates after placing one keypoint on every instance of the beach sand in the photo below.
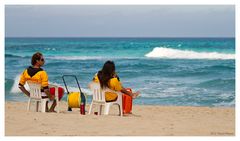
(145, 121)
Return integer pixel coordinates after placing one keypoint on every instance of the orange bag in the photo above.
(127, 102)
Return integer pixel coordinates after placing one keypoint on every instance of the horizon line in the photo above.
(107, 37)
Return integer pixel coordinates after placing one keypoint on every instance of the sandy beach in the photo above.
(145, 121)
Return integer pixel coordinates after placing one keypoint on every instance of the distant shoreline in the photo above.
(138, 104)
(138, 37)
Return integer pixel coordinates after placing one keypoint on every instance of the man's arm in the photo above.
(22, 88)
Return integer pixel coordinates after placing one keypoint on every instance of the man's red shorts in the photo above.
(60, 92)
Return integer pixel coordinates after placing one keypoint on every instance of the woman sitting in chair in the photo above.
(108, 78)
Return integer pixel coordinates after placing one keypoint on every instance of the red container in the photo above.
(127, 103)
(82, 109)
(60, 92)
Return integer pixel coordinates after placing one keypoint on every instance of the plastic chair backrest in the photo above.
(35, 90)
(98, 94)
(99, 98)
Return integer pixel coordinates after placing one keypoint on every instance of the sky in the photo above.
(119, 21)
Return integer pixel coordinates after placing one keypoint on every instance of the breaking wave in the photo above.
(169, 53)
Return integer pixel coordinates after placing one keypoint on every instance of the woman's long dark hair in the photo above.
(106, 73)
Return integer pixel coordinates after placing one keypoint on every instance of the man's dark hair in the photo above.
(36, 56)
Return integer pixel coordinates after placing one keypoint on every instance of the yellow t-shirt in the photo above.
(36, 75)
(114, 84)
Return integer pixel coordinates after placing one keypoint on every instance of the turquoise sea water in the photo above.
(167, 71)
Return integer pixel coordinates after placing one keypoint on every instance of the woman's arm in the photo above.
(133, 95)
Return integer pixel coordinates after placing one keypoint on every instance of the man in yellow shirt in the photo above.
(36, 74)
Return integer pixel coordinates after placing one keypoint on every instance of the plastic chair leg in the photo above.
(121, 109)
(100, 109)
(90, 109)
(29, 103)
(107, 108)
(43, 105)
(37, 105)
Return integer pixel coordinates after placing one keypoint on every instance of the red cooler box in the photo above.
(127, 103)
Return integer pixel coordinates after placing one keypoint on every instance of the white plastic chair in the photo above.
(99, 99)
(36, 95)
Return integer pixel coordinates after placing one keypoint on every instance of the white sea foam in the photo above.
(225, 104)
(49, 49)
(162, 52)
(76, 58)
(88, 57)
(73, 89)
(15, 88)
(76, 89)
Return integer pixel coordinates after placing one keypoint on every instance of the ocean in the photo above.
(166, 71)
